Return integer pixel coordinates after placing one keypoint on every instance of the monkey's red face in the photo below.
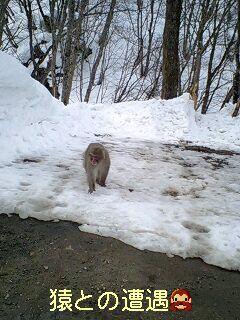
(94, 159)
(181, 300)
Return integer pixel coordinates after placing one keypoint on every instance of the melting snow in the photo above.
(160, 196)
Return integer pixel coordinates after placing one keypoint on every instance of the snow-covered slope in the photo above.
(159, 197)
(28, 113)
(31, 120)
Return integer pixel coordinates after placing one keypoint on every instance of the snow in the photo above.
(159, 195)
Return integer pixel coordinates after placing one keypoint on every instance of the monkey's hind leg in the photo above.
(102, 178)
(102, 183)
(98, 180)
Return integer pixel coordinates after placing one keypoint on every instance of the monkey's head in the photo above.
(96, 156)
(180, 300)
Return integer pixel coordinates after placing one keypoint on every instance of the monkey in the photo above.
(96, 164)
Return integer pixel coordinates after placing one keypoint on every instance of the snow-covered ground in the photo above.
(159, 196)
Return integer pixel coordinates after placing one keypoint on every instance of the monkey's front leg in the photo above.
(91, 183)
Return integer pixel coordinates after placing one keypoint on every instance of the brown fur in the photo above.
(97, 164)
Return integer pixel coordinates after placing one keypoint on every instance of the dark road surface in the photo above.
(36, 256)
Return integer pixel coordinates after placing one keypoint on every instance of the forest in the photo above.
(122, 50)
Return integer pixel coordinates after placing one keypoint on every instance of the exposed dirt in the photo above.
(36, 256)
(189, 146)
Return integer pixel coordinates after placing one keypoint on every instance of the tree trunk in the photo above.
(197, 64)
(236, 81)
(3, 20)
(68, 54)
(236, 110)
(72, 44)
(170, 66)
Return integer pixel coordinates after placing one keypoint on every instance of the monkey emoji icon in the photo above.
(180, 300)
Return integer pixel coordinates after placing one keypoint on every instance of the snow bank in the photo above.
(166, 121)
(30, 118)
(158, 197)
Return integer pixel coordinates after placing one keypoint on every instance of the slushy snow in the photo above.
(159, 195)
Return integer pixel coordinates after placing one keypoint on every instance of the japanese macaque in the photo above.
(96, 164)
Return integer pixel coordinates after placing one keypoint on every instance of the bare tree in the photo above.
(103, 39)
(236, 82)
(140, 74)
(213, 71)
(206, 10)
(56, 26)
(170, 64)
(72, 45)
(27, 4)
(3, 18)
